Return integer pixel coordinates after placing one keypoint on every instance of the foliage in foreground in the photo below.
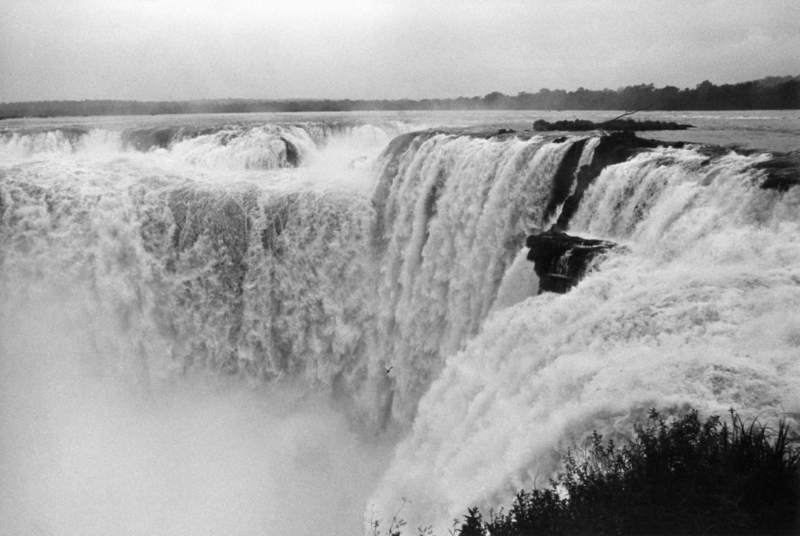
(677, 477)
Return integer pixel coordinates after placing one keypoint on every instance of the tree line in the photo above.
(771, 93)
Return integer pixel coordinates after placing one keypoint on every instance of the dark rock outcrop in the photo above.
(613, 148)
(620, 125)
(565, 176)
(292, 153)
(783, 171)
(560, 260)
(145, 139)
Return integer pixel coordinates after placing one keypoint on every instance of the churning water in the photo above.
(282, 325)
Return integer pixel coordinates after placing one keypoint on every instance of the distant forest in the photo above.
(771, 93)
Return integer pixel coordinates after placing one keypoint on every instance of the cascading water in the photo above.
(701, 308)
(451, 215)
(145, 298)
(180, 263)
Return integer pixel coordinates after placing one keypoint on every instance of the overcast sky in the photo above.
(187, 49)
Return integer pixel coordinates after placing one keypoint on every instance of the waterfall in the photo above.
(701, 308)
(396, 286)
(452, 214)
(235, 146)
(288, 282)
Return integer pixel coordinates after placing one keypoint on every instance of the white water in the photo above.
(195, 339)
(111, 422)
(704, 310)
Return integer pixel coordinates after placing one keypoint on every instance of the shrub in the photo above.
(676, 477)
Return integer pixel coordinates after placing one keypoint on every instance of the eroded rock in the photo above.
(561, 260)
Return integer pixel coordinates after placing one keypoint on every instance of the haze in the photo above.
(83, 453)
(181, 49)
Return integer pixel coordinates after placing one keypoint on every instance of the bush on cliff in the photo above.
(676, 477)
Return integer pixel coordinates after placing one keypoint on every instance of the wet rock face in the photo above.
(146, 139)
(782, 171)
(292, 153)
(613, 149)
(560, 260)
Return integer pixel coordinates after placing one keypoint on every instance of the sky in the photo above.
(383, 49)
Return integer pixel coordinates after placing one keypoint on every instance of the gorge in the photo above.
(382, 272)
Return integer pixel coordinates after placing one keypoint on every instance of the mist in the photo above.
(88, 449)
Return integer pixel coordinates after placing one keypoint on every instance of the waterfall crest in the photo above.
(410, 302)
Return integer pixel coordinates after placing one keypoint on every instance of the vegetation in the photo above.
(767, 94)
(620, 125)
(678, 477)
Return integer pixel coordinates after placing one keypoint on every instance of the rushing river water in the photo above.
(286, 324)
